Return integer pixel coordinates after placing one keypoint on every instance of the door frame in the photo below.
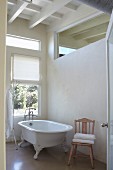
(110, 26)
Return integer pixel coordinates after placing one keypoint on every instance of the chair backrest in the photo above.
(85, 126)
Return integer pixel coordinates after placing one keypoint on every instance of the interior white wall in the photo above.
(38, 33)
(77, 88)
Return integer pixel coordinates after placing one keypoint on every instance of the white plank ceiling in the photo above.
(40, 11)
(58, 15)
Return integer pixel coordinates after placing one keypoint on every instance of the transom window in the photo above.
(22, 42)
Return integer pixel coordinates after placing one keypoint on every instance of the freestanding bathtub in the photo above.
(43, 133)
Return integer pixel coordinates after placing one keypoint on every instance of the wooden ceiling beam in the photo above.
(35, 8)
(96, 38)
(101, 19)
(70, 20)
(69, 42)
(47, 11)
(17, 10)
(95, 31)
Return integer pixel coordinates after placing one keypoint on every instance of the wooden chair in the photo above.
(84, 136)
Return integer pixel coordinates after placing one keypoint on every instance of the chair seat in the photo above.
(84, 136)
(83, 141)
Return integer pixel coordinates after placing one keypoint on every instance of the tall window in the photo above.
(25, 80)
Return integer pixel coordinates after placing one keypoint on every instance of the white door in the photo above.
(109, 38)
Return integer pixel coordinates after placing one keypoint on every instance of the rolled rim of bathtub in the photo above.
(26, 125)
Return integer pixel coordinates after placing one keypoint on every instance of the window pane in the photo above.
(22, 42)
(25, 97)
(64, 50)
(26, 68)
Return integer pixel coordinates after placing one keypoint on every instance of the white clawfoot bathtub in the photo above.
(43, 133)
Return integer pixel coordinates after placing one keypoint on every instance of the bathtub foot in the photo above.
(37, 148)
(64, 146)
(22, 141)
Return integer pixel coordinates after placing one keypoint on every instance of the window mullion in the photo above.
(18, 81)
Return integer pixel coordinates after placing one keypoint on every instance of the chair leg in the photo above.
(91, 156)
(70, 155)
(92, 151)
(75, 150)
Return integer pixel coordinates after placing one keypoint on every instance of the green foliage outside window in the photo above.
(25, 96)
